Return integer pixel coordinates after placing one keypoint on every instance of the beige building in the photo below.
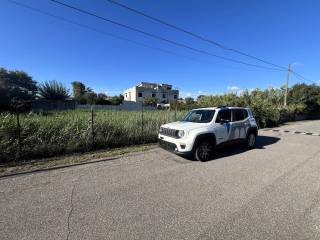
(163, 92)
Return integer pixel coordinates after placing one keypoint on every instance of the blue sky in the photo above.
(282, 32)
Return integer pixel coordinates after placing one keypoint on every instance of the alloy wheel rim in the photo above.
(204, 151)
(251, 140)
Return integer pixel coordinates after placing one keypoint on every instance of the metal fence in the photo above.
(33, 135)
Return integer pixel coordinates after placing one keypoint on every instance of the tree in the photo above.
(308, 95)
(189, 100)
(102, 99)
(79, 90)
(150, 101)
(90, 98)
(53, 90)
(116, 100)
(15, 86)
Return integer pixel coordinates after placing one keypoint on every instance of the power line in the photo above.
(159, 37)
(201, 37)
(118, 37)
(302, 77)
(92, 28)
(193, 34)
(299, 76)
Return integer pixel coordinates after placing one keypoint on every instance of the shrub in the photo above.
(45, 135)
(53, 90)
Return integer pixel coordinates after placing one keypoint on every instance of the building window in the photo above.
(175, 96)
(126, 95)
(140, 94)
(163, 96)
(153, 95)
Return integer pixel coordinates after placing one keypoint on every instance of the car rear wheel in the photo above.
(251, 140)
(203, 151)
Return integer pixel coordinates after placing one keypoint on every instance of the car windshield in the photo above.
(199, 116)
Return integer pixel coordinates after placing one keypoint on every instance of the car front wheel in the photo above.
(203, 151)
(251, 140)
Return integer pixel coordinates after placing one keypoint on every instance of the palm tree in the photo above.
(53, 90)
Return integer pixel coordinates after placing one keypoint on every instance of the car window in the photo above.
(239, 114)
(199, 116)
(224, 114)
(245, 113)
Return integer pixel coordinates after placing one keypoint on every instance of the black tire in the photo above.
(203, 151)
(251, 140)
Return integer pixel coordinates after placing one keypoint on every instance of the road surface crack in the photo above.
(70, 212)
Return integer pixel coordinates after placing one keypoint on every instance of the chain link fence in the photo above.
(25, 136)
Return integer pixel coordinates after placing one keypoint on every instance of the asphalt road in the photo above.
(271, 192)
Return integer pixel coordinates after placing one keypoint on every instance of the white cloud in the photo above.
(193, 94)
(188, 94)
(109, 92)
(297, 64)
(252, 89)
(233, 88)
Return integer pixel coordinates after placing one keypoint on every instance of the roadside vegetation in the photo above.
(55, 133)
(25, 134)
(303, 102)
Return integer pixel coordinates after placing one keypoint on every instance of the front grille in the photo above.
(167, 145)
(169, 132)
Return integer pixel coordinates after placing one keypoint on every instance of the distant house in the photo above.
(163, 92)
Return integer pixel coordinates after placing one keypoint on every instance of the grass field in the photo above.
(56, 133)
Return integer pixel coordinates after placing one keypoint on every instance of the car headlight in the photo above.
(180, 133)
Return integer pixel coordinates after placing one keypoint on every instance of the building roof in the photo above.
(154, 85)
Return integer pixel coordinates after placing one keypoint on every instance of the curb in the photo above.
(97, 160)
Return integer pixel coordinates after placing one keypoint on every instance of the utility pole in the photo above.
(287, 83)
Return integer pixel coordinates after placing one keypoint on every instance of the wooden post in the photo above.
(287, 83)
(175, 113)
(92, 129)
(142, 120)
(19, 155)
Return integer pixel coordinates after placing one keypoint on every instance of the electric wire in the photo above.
(158, 37)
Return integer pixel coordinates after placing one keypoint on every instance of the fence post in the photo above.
(142, 123)
(175, 113)
(19, 154)
(92, 129)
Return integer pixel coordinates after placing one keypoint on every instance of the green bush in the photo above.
(267, 105)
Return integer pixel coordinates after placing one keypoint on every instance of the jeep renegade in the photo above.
(204, 129)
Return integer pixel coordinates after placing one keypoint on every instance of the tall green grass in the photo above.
(55, 133)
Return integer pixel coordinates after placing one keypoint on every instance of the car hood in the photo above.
(183, 125)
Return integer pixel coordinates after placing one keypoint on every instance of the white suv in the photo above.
(204, 129)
